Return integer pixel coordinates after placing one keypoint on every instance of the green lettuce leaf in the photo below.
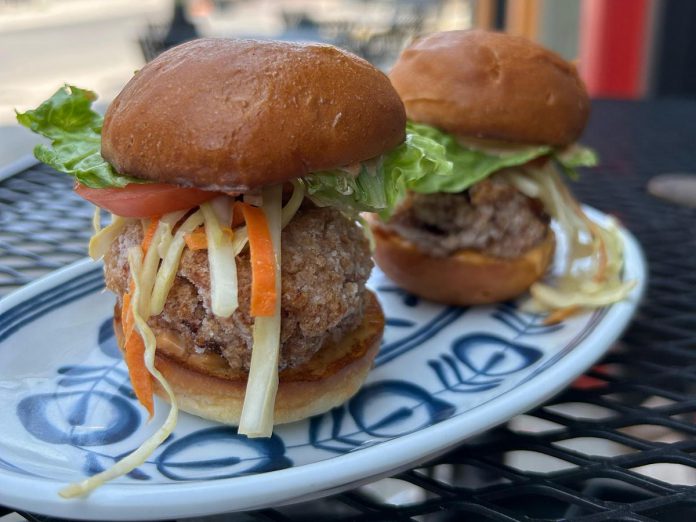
(429, 161)
(573, 157)
(74, 128)
(367, 191)
(380, 186)
(577, 156)
(469, 166)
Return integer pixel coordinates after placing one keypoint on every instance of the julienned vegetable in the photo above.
(223, 272)
(590, 275)
(140, 455)
(196, 240)
(134, 349)
(265, 226)
(263, 262)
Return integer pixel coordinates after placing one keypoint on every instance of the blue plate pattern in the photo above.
(435, 363)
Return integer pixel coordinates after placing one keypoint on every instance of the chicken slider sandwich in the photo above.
(503, 114)
(240, 297)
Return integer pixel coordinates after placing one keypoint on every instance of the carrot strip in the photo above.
(561, 314)
(140, 377)
(196, 240)
(237, 214)
(134, 347)
(263, 273)
(149, 233)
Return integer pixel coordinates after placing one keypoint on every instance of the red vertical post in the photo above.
(613, 47)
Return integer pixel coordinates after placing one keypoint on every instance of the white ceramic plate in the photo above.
(443, 374)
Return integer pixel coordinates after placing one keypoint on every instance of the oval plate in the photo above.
(443, 374)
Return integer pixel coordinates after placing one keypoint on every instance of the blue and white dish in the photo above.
(443, 374)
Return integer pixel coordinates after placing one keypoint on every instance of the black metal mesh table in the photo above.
(617, 445)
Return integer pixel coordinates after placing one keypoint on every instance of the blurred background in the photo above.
(624, 48)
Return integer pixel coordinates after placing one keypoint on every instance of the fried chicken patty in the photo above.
(325, 264)
(492, 217)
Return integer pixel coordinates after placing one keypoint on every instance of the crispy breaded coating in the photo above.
(325, 264)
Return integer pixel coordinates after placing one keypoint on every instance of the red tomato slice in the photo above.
(146, 200)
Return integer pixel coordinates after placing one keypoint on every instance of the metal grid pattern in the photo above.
(617, 445)
(43, 226)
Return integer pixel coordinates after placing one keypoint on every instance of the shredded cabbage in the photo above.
(240, 239)
(293, 204)
(161, 237)
(170, 262)
(96, 220)
(222, 205)
(103, 237)
(223, 269)
(241, 235)
(262, 384)
(591, 273)
(140, 455)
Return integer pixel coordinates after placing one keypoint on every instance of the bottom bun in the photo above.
(206, 386)
(464, 278)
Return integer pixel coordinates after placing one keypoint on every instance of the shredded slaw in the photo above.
(591, 274)
(223, 269)
(140, 455)
(262, 384)
(103, 237)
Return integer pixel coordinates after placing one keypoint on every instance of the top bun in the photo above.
(478, 84)
(239, 114)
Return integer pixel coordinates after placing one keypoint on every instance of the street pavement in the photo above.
(92, 44)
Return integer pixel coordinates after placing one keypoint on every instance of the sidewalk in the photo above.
(52, 13)
(89, 43)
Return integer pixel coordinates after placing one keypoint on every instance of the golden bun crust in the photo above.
(206, 386)
(492, 86)
(465, 278)
(239, 114)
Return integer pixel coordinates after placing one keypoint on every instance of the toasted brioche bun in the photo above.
(493, 86)
(239, 114)
(206, 386)
(465, 278)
